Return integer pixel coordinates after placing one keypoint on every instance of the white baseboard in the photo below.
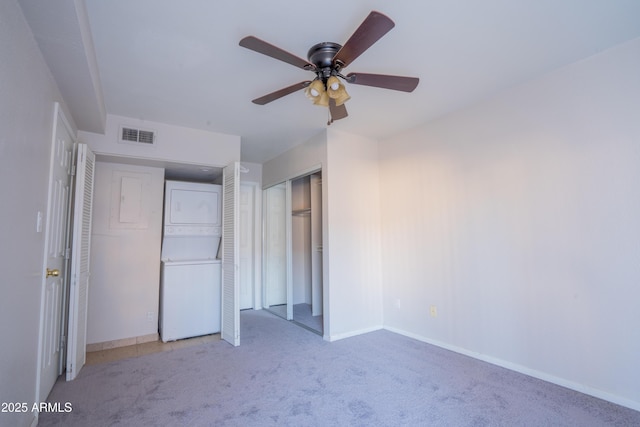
(344, 335)
(108, 345)
(618, 400)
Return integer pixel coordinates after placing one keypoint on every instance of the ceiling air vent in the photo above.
(137, 136)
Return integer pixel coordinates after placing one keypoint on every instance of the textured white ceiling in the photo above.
(179, 62)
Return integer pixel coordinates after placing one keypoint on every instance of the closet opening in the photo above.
(292, 287)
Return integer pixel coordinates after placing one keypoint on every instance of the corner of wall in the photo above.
(354, 233)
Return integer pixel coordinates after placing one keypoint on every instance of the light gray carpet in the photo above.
(302, 313)
(284, 375)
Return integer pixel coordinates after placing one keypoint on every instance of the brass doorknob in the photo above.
(55, 272)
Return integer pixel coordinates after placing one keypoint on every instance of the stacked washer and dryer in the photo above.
(190, 287)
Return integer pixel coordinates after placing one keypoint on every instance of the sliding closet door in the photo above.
(275, 250)
(230, 328)
(315, 189)
(301, 246)
(306, 252)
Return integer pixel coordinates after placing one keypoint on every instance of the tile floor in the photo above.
(129, 351)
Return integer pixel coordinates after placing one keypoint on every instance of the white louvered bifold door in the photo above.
(80, 261)
(230, 255)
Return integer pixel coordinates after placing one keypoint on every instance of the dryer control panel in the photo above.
(192, 206)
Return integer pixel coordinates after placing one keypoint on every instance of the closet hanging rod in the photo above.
(301, 212)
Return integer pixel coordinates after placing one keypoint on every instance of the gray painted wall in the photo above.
(27, 96)
(518, 220)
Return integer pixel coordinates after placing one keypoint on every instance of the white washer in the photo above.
(190, 296)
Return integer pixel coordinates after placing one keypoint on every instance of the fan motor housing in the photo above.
(321, 54)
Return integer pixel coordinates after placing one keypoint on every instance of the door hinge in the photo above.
(73, 170)
(63, 341)
(67, 254)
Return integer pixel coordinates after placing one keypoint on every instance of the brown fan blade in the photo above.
(280, 93)
(337, 111)
(370, 31)
(260, 46)
(405, 84)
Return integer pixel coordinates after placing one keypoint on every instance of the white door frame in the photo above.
(289, 246)
(257, 246)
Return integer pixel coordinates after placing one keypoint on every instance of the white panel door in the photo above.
(56, 244)
(246, 245)
(80, 261)
(230, 256)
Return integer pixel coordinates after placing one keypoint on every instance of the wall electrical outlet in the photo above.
(150, 316)
(433, 310)
(398, 305)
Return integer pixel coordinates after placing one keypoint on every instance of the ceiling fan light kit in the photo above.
(337, 91)
(317, 93)
(326, 60)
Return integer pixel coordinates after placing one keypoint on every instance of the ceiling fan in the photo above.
(327, 60)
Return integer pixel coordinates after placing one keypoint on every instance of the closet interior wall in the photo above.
(306, 248)
(301, 240)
